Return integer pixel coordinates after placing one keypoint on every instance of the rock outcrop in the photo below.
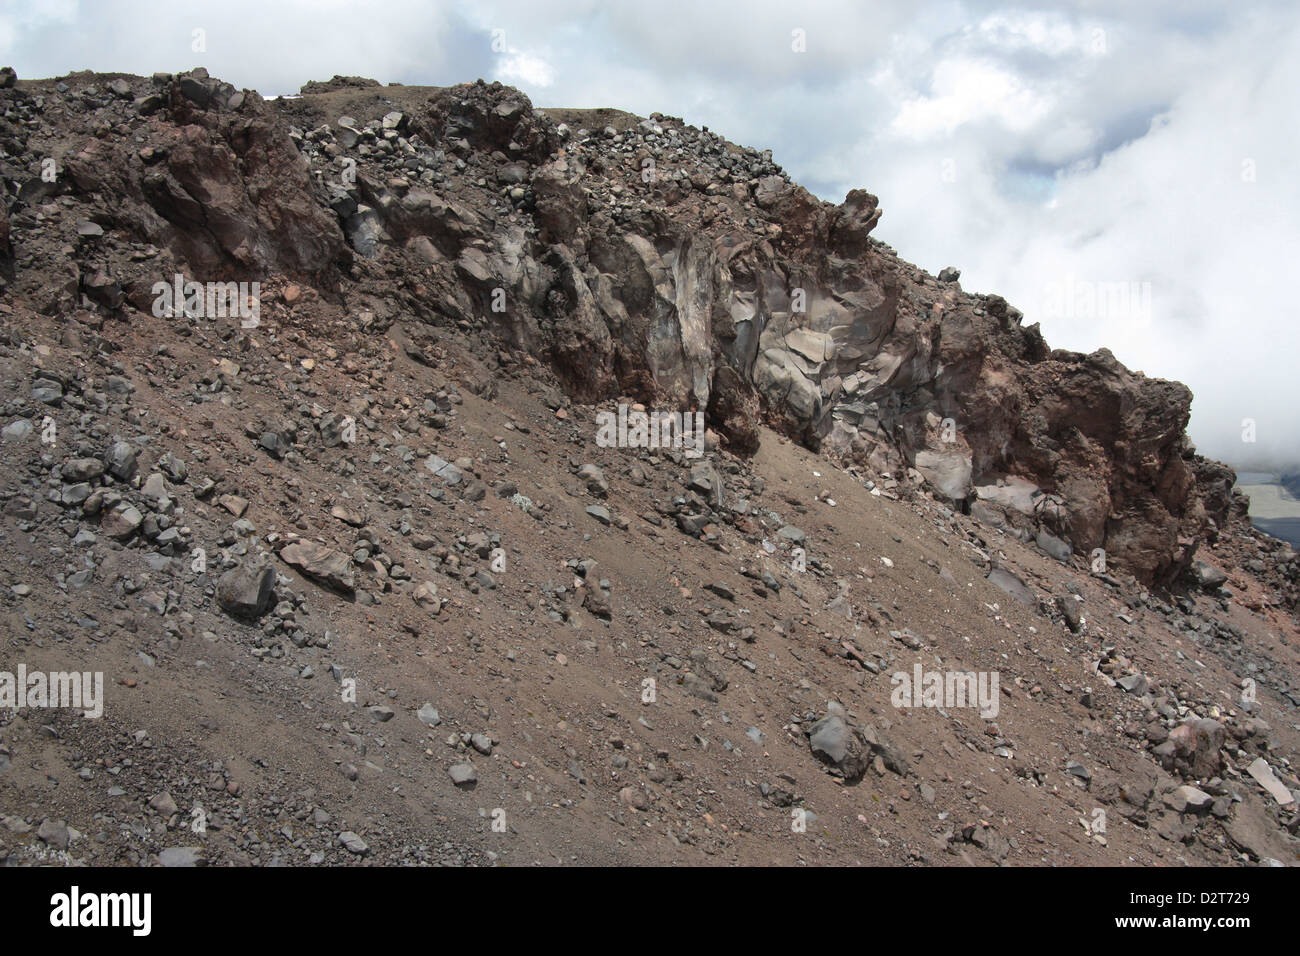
(649, 259)
(356, 569)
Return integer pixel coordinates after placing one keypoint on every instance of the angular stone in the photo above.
(163, 803)
(234, 504)
(54, 833)
(425, 594)
(463, 774)
(1208, 577)
(181, 856)
(1264, 776)
(1198, 743)
(75, 494)
(835, 742)
(82, 469)
(595, 479)
(949, 473)
(1012, 584)
(353, 843)
(1054, 546)
(792, 534)
(120, 461)
(1071, 610)
(247, 591)
(155, 487)
(122, 522)
(444, 469)
(18, 430)
(325, 565)
(1135, 684)
(1188, 799)
(596, 600)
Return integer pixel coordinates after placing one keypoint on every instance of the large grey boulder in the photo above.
(850, 749)
(247, 591)
(1012, 584)
(834, 742)
(120, 461)
(1054, 546)
(1208, 577)
(948, 472)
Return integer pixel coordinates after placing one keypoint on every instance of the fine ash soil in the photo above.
(236, 719)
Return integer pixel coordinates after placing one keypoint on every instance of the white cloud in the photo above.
(1050, 33)
(970, 91)
(525, 69)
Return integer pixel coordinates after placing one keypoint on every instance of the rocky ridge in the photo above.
(391, 478)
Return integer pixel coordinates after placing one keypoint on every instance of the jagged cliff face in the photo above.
(645, 259)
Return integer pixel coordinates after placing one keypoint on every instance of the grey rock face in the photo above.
(247, 591)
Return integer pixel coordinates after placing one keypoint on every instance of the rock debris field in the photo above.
(298, 412)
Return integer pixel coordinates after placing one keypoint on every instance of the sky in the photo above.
(1126, 172)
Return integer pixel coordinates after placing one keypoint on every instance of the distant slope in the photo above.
(1274, 507)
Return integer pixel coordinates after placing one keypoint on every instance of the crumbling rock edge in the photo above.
(649, 260)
